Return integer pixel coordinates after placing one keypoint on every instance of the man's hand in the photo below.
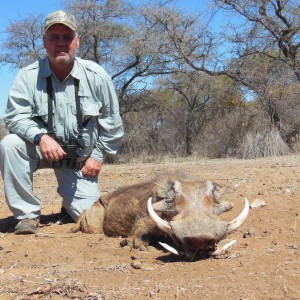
(91, 168)
(50, 149)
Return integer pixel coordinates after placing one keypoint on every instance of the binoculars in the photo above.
(70, 159)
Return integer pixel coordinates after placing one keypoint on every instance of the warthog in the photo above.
(186, 212)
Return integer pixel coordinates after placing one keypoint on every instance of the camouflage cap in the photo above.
(60, 17)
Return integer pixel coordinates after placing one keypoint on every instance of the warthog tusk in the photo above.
(162, 224)
(225, 247)
(169, 248)
(239, 220)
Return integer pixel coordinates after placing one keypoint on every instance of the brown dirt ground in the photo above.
(264, 263)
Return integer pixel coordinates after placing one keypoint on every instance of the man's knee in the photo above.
(12, 146)
(11, 141)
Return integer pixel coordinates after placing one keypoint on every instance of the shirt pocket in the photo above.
(89, 107)
(40, 109)
(90, 111)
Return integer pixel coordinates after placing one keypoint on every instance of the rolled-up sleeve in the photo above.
(109, 120)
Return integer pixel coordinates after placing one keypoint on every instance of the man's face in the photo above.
(61, 43)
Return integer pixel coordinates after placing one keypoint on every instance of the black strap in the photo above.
(78, 110)
(50, 107)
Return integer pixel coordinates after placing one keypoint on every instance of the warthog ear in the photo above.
(214, 191)
(168, 189)
(168, 194)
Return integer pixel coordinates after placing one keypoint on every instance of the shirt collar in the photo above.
(45, 67)
(75, 70)
(46, 70)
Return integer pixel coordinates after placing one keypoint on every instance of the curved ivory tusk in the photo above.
(162, 224)
(169, 248)
(239, 220)
(225, 247)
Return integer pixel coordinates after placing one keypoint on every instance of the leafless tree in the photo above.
(191, 94)
(119, 36)
(270, 28)
(101, 25)
(24, 43)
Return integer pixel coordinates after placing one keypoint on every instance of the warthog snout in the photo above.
(196, 227)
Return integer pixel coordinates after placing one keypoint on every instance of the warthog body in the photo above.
(186, 212)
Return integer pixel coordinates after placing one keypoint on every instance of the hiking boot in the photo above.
(27, 226)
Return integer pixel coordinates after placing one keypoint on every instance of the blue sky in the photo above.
(14, 10)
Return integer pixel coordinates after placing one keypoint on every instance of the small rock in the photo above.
(249, 233)
(136, 264)
(260, 192)
(271, 250)
(133, 257)
(258, 204)
(123, 243)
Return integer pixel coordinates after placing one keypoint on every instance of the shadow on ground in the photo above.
(8, 224)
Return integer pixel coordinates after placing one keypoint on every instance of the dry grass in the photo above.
(266, 144)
